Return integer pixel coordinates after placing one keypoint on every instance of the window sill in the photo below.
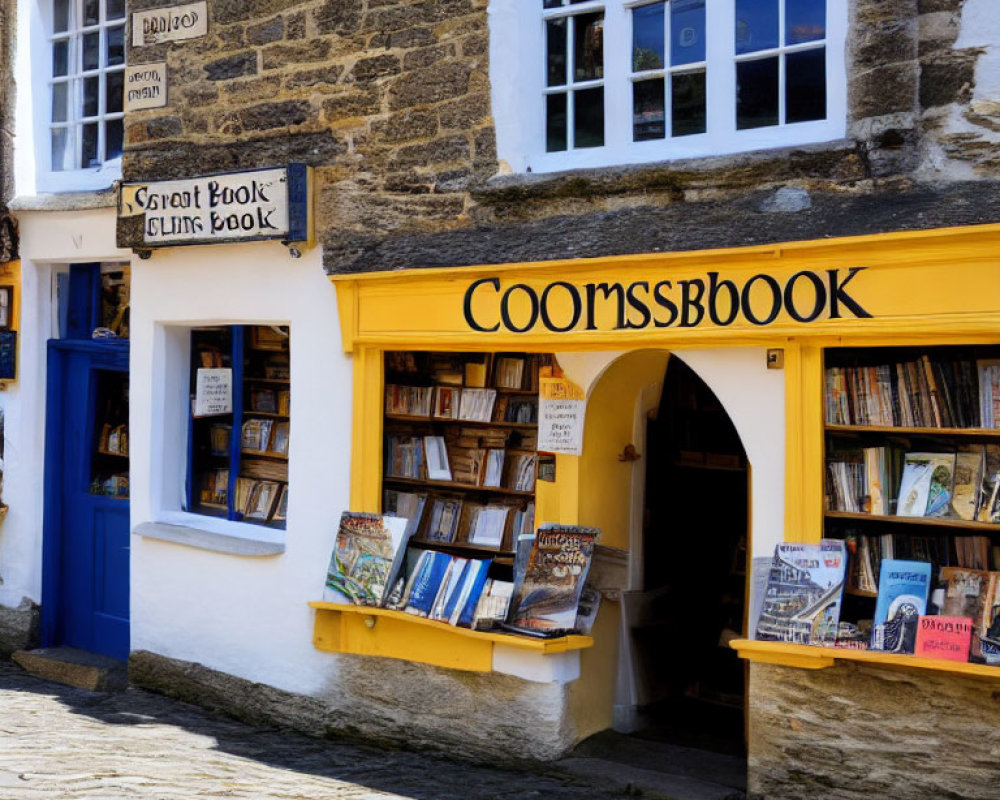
(809, 657)
(369, 631)
(214, 541)
(66, 201)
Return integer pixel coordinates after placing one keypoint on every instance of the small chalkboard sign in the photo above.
(8, 355)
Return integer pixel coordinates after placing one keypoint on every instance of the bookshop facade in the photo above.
(703, 377)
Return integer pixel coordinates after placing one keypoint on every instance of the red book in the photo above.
(946, 638)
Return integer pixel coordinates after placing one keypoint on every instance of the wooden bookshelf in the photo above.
(474, 422)
(899, 430)
(929, 522)
(467, 487)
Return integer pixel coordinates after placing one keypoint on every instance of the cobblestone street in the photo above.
(63, 743)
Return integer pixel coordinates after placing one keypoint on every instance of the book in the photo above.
(451, 587)
(494, 601)
(802, 597)
(443, 521)
(969, 466)
(430, 572)
(486, 524)
(947, 638)
(474, 579)
(367, 553)
(547, 598)
(446, 402)
(437, 459)
(409, 505)
(279, 439)
(903, 588)
(926, 485)
(493, 469)
(281, 509)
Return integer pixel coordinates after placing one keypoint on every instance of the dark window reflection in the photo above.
(556, 50)
(60, 94)
(88, 158)
(588, 118)
(648, 110)
(687, 104)
(588, 42)
(91, 95)
(555, 122)
(113, 91)
(687, 31)
(114, 9)
(805, 20)
(757, 93)
(91, 50)
(647, 38)
(756, 25)
(60, 16)
(113, 134)
(551, 3)
(91, 12)
(805, 86)
(60, 58)
(116, 46)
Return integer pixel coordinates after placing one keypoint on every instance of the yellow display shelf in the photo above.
(808, 657)
(369, 631)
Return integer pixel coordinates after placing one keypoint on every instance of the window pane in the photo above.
(756, 25)
(92, 50)
(588, 42)
(113, 90)
(116, 46)
(60, 93)
(588, 118)
(687, 104)
(62, 158)
(757, 93)
(91, 95)
(805, 86)
(91, 12)
(647, 37)
(60, 58)
(556, 51)
(551, 3)
(113, 139)
(805, 20)
(555, 123)
(60, 16)
(648, 110)
(114, 9)
(89, 156)
(687, 31)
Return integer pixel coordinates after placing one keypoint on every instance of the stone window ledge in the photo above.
(66, 201)
(803, 656)
(209, 540)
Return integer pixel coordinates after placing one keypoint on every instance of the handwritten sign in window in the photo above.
(213, 394)
(947, 638)
(562, 409)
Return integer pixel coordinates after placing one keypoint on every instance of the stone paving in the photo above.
(59, 743)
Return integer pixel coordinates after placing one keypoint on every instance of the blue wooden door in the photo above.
(85, 591)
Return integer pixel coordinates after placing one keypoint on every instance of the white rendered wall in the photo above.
(246, 616)
(754, 398)
(49, 241)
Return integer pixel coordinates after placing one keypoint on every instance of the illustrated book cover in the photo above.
(946, 638)
(903, 587)
(926, 485)
(803, 593)
(367, 553)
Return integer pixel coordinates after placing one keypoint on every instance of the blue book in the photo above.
(456, 589)
(430, 573)
(465, 612)
(903, 587)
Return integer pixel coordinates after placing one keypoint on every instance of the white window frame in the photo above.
(518, 77)
(43, 38)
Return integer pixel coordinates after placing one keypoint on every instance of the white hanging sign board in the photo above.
(562, 409)
(213, 393)
(169, 24)
(145, 86)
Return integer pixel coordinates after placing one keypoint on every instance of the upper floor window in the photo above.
(630, 81)
(85, 93)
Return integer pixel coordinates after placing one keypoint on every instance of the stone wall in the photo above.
(857, 731)
(7, 26)
(476, 716)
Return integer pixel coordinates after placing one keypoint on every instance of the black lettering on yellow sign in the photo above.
(685, 303)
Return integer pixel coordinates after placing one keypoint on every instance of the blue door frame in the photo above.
(85, 555)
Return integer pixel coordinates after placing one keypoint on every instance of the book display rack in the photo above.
(460, 448)
(239, 456)
(912, 441)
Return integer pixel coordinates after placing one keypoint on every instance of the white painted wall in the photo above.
(246, 616)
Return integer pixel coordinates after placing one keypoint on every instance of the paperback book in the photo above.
(903, 588)
(367, 554)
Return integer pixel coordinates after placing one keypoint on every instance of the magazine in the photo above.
(903, 587)
(367, 554)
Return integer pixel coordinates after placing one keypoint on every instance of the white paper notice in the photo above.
(562, 409)
(213, 392)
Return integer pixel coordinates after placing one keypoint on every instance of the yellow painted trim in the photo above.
(366, 443)
(363, 630)
(808, 657)
(10, 275)
(804, 470)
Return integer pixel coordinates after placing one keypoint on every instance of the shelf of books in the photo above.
(460, 457)
(242, 477)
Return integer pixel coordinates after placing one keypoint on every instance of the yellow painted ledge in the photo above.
(808, 657)
(368, 631)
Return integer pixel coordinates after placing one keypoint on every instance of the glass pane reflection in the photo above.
(555, 123)
(648, 110)
(687, 31)
(588, 118)
(113, 135)
(556, 52)
(116, 46)
(88, 158)
(60, 93)
(60, 18)
(91, 50)
(113, 92)
(588, 44)
(687, 104)
(647, 37)
(91, 95)
(757, 93)
(60, 58)
(756, 25)
(61, 157)
(805, 21)
(805, 86)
